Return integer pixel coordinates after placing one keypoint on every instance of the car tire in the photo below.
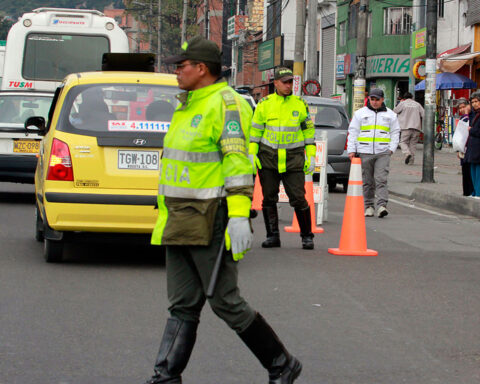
(345, 186)
(53, 251)
(331, 186)
(39, 229)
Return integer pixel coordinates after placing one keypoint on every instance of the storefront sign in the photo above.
(266, 55)
(419, 46)
(340, 67)
(388, 66)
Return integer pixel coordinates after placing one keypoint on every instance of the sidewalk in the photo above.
(446, 193)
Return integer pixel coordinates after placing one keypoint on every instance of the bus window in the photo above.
(53, 56)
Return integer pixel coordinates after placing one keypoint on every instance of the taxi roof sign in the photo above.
(136, 62)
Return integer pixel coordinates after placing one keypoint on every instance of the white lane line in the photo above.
(410, 205)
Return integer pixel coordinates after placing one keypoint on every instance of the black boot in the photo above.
(260, 338)
(305, 224)
(175, 350)
(270, 215)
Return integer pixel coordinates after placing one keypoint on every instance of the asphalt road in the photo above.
(409, 315)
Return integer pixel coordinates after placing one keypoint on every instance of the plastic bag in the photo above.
(460, 136)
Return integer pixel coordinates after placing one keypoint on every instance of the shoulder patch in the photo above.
(263, 99)
(228, 97)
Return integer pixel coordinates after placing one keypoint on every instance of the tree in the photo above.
(146, 12)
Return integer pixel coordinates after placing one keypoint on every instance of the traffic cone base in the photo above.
(294, 228)
(342, 252)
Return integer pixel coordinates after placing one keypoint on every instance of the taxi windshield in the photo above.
(121, 108)
(15, 109)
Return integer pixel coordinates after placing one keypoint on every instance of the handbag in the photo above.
(460, 136)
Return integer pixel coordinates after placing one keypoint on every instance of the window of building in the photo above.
(441, 8)
(342, 34)
(369, 25)
(352, 21)
(398, 20)
(274, 19)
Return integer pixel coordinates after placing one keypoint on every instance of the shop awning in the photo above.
(455, 51)
(453, 63)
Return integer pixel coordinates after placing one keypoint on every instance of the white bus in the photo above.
(48, 43)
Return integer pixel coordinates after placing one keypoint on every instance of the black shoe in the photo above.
(407, 159)
(270, 215)
(289, 373)
(260, 338)
(272, 242)
(307, 242)
(175, 350)
(305, 224)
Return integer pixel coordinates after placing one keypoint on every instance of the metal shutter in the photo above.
(328, 61)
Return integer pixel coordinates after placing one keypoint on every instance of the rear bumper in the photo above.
(339, 166)
(18, 168)
(106, 213)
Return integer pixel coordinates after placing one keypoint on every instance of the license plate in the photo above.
(317, 168)
(26, 146)
(148, 160)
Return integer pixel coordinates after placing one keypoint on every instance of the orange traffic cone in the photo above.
(257, 195)
(309, 196)
(353, 240)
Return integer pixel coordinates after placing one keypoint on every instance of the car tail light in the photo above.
(346, 142)
(60, 164)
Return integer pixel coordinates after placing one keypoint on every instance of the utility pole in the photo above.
(359, 83)
(312, 61)
(430, 93)
(298, 65)
(184, 21)
(205, 17)
(159, 37)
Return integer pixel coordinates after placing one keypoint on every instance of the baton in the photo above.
(216, 269)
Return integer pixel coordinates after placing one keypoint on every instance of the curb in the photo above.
(458, 204)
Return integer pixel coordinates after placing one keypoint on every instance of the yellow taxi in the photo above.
(99, 159)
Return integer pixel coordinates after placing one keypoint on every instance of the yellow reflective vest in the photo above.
(204, 159)
(282, 126)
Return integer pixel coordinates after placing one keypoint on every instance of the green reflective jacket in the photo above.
(282, 126)
(204, 159)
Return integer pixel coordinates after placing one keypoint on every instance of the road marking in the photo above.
(410, 205)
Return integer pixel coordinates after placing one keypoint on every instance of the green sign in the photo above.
(266, 55)
(388, 66)
(419, 43)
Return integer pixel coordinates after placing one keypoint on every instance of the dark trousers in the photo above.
(293, 181)
(188, 274)
(467, 179)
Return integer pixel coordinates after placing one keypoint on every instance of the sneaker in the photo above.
(382, 212)
(407, 159)
(369, 212)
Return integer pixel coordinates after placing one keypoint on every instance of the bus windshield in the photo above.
(53, 56)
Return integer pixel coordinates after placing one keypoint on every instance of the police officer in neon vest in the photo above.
(282, 147)
(205, 193)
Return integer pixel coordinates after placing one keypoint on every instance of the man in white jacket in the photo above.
(373, 135)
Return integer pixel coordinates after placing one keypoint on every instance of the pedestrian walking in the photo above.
(206, 186)
(282, 147)
(472, 154)
(373, 134)
(465, 111)
(410, 116)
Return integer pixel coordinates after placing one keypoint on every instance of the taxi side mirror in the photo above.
(36, 124)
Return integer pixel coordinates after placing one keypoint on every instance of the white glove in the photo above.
(309, 166)
(238, 236)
